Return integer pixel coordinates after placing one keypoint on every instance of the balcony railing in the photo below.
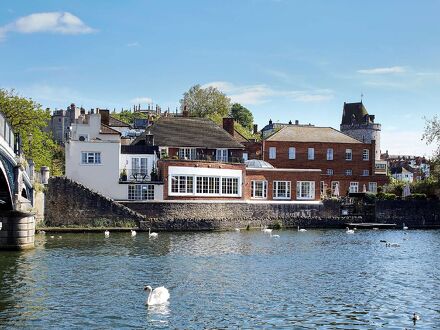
(134, 175)
(214, 159)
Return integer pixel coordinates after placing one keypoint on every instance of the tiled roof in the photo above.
(117, 123)
(108, 130)
(189, 132)
(298, 133)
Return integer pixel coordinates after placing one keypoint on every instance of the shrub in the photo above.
(369, 198)
(386, 196)
(417, 196)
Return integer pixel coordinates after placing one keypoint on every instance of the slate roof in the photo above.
(189, 132)
(299, 133)
(108, 130)
(355, 111)
(117, 123)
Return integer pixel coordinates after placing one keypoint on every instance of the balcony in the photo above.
(210, 158)
(380, 167)
(135, 176)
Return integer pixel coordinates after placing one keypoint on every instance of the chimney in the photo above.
(105, 116)
(185, 112)
(149, 138)
(296, 122)
(228, 125)
(255, 129)
(290, 122)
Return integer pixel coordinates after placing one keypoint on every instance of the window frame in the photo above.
(346, 172)
(353, 184)
(272, 152)
(299, 190)
(292, 153)
(330, 154)
(365, 172)
(366, 155)
(264, 189)
(347, 153)
(330, 172)
(88, 153)
(333, 187)
(276, 189)
(374, 191)
(138, 194)
(222, 155)
(311, 153)
(187, 151)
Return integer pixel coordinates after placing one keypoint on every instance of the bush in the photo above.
(386, 196)
(369, 198)
(417, 196)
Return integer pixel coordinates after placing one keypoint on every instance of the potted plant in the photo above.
(123, 175)
(153, 175)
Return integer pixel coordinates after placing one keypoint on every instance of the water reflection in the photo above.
(321, 278)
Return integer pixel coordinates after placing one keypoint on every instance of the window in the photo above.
(281, 189)
(90, 158)
(292, 153)
(139, 168)
(245, 156)
(366, 154)
(348, 154)
(207, 185)
(372, 187)
(272, 152)
(329, 154)
(187, 153)
(322, 188)
(348, 172)
(335, 188)
(221, 155)
(354, 187)
(182, 184)
(365, 173)
(305, 190)
(330, 171)
(311, 153)
(140, 192)
(230, 186)
(259, 189)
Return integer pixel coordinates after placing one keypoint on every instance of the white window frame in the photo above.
(310, 153)
(272, 152)
(349, 154)
(188, 153)
(213, 184)
(330, 171)
(136, 192)
(330, 154)
(348, 172)
(229, 183)
(96, 155)
(301, 185)
(221, 155)
(180, 179)
(354, 187)
(139, 165)
(276, 189)
(264, 189)
(366, 154)
(372, 187)
(292, 153)
(333, 187)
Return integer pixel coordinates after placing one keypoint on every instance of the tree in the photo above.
(128, 117)
(242, 115)
(203, 102)
(29, 120)
(432, 133)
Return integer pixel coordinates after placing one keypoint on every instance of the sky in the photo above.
(284, 60)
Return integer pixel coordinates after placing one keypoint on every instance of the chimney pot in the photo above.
(296, 122)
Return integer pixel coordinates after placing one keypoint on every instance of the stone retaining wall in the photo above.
(70, 204)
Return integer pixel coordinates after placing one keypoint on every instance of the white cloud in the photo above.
(52, 22)
(385, 70)
(133, 44)
(257, 94)
(141, 100)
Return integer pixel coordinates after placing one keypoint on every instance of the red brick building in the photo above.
(344, 162)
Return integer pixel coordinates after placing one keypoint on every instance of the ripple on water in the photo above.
(320, 279)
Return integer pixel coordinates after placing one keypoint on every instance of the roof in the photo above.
(256, 163)
(117, 123)
(354, 113)
(298, 133)
(189, 132)
(108, 130)
(239, 137)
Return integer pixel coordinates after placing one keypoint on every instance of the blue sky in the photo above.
(284, 60)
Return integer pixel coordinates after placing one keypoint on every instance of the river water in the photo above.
(324, 279)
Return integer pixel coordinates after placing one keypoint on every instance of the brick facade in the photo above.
(339, 164)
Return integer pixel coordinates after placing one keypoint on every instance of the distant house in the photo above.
(400, 173)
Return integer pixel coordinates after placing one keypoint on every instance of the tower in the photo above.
(357, 123)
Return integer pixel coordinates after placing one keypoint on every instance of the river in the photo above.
(324, 279)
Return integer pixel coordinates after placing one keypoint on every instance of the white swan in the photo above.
(107, 233)
(133, 232)
(302, 229)
(237, 229)
(157, 296)
(150, 234)
(349, 231)
(404, 227)
(267, 231)
(274, 236)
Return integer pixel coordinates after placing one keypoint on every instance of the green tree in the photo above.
(203, 102)
(128, 117)
(432, 133)
(242, 115)
(30, 121)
